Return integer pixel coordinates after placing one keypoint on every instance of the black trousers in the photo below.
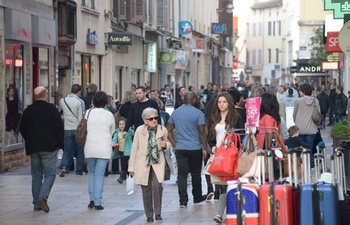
(189, 161)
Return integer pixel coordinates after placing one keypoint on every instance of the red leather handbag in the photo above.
(226, 156)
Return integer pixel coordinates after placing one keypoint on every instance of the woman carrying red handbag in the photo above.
(224, 116)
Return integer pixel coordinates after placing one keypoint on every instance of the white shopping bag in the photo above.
(173, 161)
(130, 185)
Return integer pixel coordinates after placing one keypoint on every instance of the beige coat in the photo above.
(137, 162)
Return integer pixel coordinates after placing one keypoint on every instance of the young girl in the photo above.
(224, 116)
(124, 139)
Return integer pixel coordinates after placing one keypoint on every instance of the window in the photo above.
(269, 55)
(274, 28)
(254, 57)
(260, 29)
(14, 91)
(277, 28)
(254, 29)
(260, 56)
(269, 28)
(88, 3)
(277, 55)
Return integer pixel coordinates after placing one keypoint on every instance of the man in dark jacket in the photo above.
(91, 90)
(332, 97)
(42, 129)
(341, 105)
(323, 98)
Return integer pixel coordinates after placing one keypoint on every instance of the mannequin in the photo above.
(12, 117)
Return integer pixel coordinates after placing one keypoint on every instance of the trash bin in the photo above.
(346, 146)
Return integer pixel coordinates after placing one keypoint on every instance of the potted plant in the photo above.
(340, 132)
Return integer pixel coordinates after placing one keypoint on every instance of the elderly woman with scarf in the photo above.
(147, 162)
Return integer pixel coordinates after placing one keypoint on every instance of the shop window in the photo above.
(14, 91)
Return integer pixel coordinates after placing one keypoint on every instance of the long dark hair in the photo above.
(269, 105)
(215, 118)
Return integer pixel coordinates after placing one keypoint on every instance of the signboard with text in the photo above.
(332, 44)
(253, 113)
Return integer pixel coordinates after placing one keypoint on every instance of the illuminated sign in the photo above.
(339, 7)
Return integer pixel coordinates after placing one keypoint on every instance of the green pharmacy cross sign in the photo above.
(339, 7)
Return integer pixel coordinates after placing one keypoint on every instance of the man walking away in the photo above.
(42, 129)
(73, 109)
(191, 147)
(341, 105)
(332, 97)
(91, 89)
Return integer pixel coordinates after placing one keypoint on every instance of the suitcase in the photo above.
(242, 204)
(276, 206)
(319, 204)
(340, 177)
(277, 201)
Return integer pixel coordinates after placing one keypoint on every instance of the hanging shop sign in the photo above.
(165, 58)
(339, 7)
(152, 57)
(330, 65)
(332, 44)
(185, 27)
(218, 28)
(198, 45)
(119, 38)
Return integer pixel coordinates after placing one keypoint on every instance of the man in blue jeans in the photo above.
(73, 109)
(191, 147)
(42, 129)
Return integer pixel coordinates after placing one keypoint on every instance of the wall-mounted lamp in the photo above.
(229, 8)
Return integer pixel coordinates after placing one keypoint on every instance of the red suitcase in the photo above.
(276, 206)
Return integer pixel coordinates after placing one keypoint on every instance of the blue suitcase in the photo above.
(319, 204)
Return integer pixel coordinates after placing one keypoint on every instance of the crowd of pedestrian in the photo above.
(144, 131)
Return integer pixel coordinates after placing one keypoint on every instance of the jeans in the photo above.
(331, 113)
(43, 169)
(96, 168)
(338, 118)
(189, 161)
(308, 139)
(71, 148)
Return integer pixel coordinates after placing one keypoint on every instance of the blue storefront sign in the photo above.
(218, 28)
(185, 27)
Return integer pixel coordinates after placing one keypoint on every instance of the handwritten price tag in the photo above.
(253, 111)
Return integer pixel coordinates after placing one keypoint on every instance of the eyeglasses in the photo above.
(152, 118)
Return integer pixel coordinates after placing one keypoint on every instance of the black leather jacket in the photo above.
(341, 104)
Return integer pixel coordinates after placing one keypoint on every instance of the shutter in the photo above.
(140, 9)
(119, 9)
(160, 12)
(130, 10)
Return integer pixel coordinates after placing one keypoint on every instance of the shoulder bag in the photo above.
(316, 115)
(81, 132)
(225, 160)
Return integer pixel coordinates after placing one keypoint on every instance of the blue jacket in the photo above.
(128, 140)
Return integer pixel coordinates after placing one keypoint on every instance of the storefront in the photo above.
(28, 51)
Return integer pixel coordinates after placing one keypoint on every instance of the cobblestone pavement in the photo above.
(69, 198)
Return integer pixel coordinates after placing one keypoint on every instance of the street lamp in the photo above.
(229, 8)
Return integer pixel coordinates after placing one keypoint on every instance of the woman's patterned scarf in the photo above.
(152, 156)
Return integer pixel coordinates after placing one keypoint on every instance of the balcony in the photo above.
(67, 22)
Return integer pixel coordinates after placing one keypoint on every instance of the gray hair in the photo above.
(272, 89)
(148, 111)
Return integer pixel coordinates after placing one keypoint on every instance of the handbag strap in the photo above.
(87, 117)
(64, 99)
